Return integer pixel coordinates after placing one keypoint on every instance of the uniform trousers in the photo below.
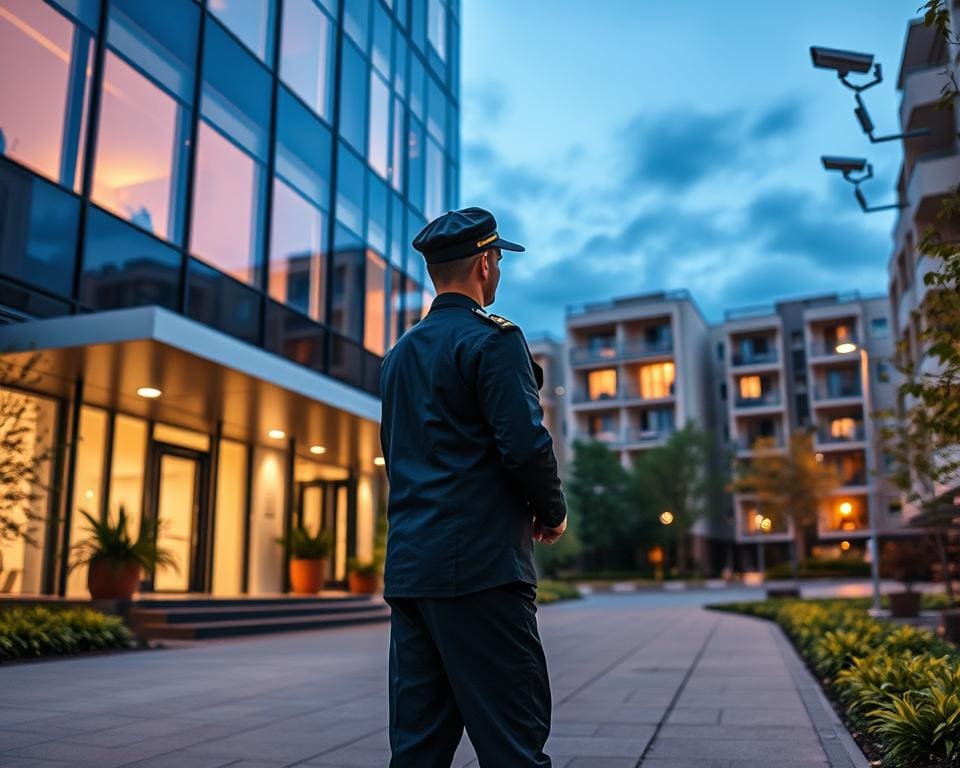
(471, 661)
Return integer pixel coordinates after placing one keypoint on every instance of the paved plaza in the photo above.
(644, 679)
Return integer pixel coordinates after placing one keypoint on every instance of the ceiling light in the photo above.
(148, 392)
(317, 449)
(276, 433)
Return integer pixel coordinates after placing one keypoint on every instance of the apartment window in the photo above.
(250, 20)
(751, 387)
(720, 351)
(603, 426)
(306, 54)
(602, 384)
(796, 340)
(657, 380)
(44, 115)
(723, 390)
(878, 327)
(843, 428)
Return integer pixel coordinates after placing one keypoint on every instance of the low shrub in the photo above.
(900, 684)
(821, 568)
(549, 591)
(31, 631)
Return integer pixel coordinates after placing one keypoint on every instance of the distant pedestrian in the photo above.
(473, 482)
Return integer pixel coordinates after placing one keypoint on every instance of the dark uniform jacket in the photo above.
(468, 459)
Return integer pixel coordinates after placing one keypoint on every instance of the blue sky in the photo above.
(638, 146)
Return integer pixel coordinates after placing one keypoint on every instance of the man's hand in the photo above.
(546, 535)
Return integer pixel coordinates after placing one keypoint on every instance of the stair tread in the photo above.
(319, 607)
(274, 620)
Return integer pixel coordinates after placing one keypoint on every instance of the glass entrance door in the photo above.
(179, 503)
(326, 505)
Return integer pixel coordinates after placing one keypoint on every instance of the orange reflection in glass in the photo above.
(373, 314)
(296, 253)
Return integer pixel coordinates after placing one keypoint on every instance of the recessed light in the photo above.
(379, 461)
(317, 449)
(276, 433)
(148, 392)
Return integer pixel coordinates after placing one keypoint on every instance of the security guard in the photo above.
(473, 482)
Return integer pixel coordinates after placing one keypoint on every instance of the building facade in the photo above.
(205, 217)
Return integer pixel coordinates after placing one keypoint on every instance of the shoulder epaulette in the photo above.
(498, 320)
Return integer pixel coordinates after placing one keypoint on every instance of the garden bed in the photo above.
(896, 687)
(549, 591)
(32, 632)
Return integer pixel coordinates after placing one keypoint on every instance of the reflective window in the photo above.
(221, 302)
(127, 467)
(415, 163)
(436, 111)
(453, 73)
(236, 92)
(304, 149)
(347, 284)
(356, 21)
(38, 230)
(306, 54)
(249, 20)
(397, 245)
(42, 117)
(437, 27)
(394, 307)
(400, 63)
(123, 267)
(396, 151)
(412, 303)
(295, 336)
(418, 22)
(353, 98)
(350, 178)
(87, 12)
(297, 252)
(374, 304)
(142, 149)
(400, 10)
(377, 213)
(227, 211)
(435, 200)
(452, 186)
(417, 77)
(378, 147)
(381, 55)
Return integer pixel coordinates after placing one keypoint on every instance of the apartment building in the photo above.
(548, 353)
(204, 230)
(929, 170)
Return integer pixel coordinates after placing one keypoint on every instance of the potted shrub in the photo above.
(906, 561)
(308, 559)
(362, 576)
(114, 559)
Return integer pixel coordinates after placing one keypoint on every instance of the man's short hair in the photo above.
(453, 271)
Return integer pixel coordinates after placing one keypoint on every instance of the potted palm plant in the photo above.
(115, 559)
(362, 576)
(308, 558)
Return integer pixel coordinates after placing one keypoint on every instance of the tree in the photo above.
(790, 486)
(675, 478)
(596, 494)
(24, 452)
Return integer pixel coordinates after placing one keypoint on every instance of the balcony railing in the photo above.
(754, 358)
(858, 433)
(628, 391)
(631, 390)
(834, 391)
(746, 442)
(635, 435)
(583, 396)
(612, 352)
(828, 349)
(766, 398)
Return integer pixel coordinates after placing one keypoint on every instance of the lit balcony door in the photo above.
(179, 505)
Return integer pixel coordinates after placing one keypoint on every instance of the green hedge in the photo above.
(549, 591)
(832, 568)
(901, 685)
(31, 631)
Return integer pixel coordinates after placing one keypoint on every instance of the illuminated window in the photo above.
(657, 380)
(750, 387)
(844, 428)
(602, 384)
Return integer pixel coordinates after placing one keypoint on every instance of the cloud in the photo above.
(486, 170)
(485, 99)
(779, 120)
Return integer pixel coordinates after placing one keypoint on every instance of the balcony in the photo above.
(921, 87)
(770, 398)
(639, 435)
(829, 349)
(754, 358)
(629, 350)
(631, 390)
(836, 391)
(582, 396)
(856, 435)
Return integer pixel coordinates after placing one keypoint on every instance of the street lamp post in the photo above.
(845, 348)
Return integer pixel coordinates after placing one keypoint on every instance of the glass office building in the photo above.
(206, 211)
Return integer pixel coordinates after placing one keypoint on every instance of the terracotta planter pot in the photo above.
(362, 584)
(307, 574)
(107, 579)
(904, 605)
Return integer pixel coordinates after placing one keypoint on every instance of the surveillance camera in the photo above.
(844, 62)
(843, 164)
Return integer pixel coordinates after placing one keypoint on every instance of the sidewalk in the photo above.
(633, 684)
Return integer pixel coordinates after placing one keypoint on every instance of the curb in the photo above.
(841, 750)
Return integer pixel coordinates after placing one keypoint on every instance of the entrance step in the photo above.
(199, 619)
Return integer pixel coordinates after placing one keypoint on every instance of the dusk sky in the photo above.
(638, 146)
